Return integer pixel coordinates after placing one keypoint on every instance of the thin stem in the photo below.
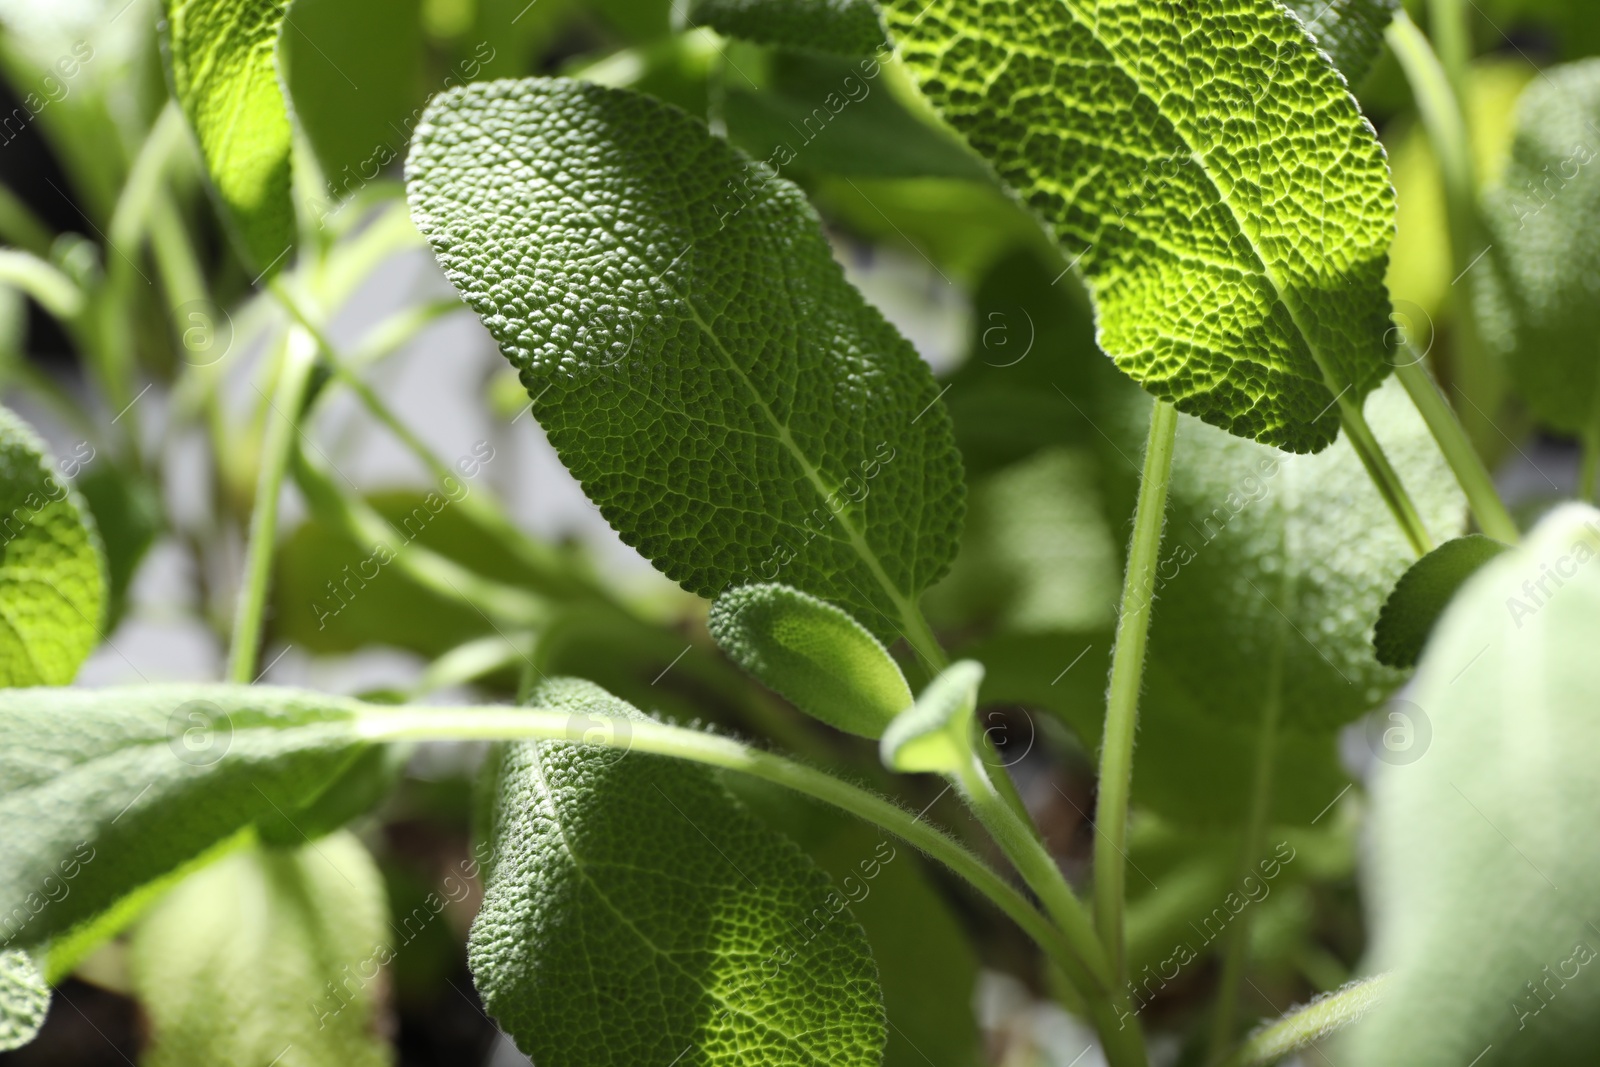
(1383, 476)
(1017, 839)
(1122, 700)
(277, 441)
(531, 724)
(1473, 476)
(1452, 36)
(1321, 1018)
(1250, 851)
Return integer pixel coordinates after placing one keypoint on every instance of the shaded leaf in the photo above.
(817, 657)
(52, 575)
(1422, 594)
(1349, 31)
(1210, 173)
(268, 956)
(738, 412)
(847, 27)
(632, 904)
(1481, 886)
(222, 55)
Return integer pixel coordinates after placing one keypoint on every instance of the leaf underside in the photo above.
(1207, 169)
(632, 906)
(222, 58)
(1423, 593)
(24, 999)
(735, 408)
(52, 578)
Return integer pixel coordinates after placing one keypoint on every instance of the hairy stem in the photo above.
(1384, 476)
(532, 724)
(282, 425)
(1321, 1018)
(1473, 476)
(1127, 673)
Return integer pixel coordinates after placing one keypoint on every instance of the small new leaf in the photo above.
(102, 791)
(222, 55)
(24, 999)
(735, 408)
(1209, 172)
(817, 657)
(631, 903)
(935, 735)
(1422, 594)
(52, 575)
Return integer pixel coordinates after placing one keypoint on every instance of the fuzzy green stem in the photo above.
(1255, 836)
(532, 724)
(1310, 1023)
(1384, 476)
(1473, 476)
(1122, 699)
(278, 440)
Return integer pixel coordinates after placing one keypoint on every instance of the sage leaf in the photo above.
(630, 902)
(1422, 594)
(733, 406)
(935, 734)
(102, 791)
(845, 27)
(1207, 169)
(268, 955)
(1350, 32)
(1482, 897)
(52, 572)
(222, 58)
(24, 999)
(1540, 291)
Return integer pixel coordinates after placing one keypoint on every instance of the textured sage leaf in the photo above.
(1207, 169)
(1541, 287)
(103, 790)
(935, 734)
(222, 56)
(1349, 31)
(847, 27)
(24, 999)
(52, 575)
(735, 408)
(633, 912)
(1274, 569)
(820, 659)
(268, 956)
(1422, 594)
(1482, 884)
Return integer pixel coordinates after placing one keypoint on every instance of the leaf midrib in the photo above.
(1329, 381)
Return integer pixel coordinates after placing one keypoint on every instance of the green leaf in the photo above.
(268, 956)
(1423, 593)
(1349, 31)
(127, 514)
(825, 113)
(222, 59)
(738, 412)
(353, 69)
(935, 735)
(105, 790)
(52, 576)
(24, 999)
(1266, 552)
(846, 27)
(632, 904)
(1540, 301)
(1210, 173)
(1481, 884)
(817, 657)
